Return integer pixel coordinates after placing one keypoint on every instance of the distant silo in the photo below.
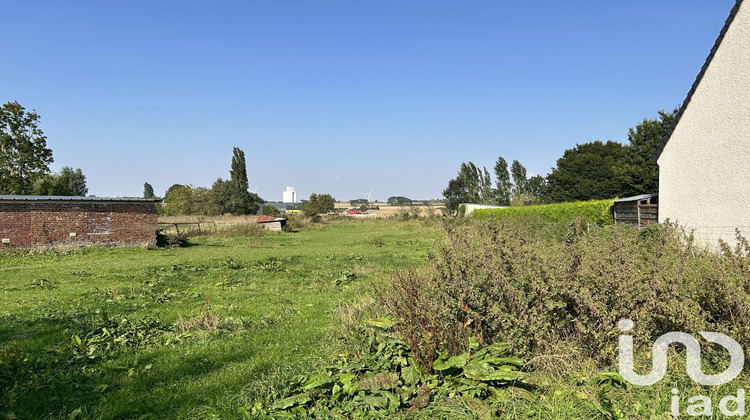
(289, 196)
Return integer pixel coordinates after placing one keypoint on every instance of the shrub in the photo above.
(597, 211)
(271, 211)
(506, 281)
(171, 240)
(298, 221)
(408, 213)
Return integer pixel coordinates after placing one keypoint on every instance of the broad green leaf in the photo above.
(497, 361)
(477, 370)
(384, 323)
(453, 362)
(345, 378)
(394, 402)
(499, 375)
(291, 401)
(317, 381)
(496, 349)
(375, 402)
(410, 375)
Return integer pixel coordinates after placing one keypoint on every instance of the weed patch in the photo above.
(387, 380)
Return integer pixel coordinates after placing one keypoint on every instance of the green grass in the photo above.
(273, 303)
(216, 327)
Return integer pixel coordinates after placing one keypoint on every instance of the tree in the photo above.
(318, 203)
(518, 172)
(358, 201)
(68, 182)
(271, 211)
(221, 196)
(241, 201)
(536, 185)
(587, 172)
(398, 201)
(638, 172)
(179, 200)
(24, 156)
(502, 182)
(472, 185)
(148, 190)
(455, 193)
(172, 188)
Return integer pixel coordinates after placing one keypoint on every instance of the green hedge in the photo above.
(596, 211)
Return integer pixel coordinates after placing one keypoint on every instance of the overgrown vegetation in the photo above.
(595, 212)
(511, 317)
(388, 381)
(510, 281)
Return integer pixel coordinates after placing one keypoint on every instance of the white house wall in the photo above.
(704, 169)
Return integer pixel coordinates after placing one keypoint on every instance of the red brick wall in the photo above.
(50, 224)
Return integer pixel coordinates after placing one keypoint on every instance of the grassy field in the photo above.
(195, 332)
(224, 327)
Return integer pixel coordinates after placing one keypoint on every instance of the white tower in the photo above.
(289, 196)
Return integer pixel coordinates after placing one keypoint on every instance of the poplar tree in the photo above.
(241, 201)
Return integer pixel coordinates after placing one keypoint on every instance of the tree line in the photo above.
(589, 171)
(230, 196)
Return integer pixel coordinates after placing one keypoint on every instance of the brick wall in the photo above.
(29, 224)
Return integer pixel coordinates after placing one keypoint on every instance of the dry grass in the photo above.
(387, 211)
(206, 321)
(219, 220)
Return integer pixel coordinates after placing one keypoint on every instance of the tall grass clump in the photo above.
(544, 290)
(247, 229)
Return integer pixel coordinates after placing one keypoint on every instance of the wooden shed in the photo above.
(637, 211)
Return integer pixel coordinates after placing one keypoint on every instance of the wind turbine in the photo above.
(368, 195)
(255, 191)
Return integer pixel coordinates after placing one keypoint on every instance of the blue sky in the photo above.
(341, 96)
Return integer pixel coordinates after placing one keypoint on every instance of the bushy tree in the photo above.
(67, 182)
(172, 188)
(24, 155)
(398, 201)
(189, 200)
(358, 201)
(318, 203)
(179, 200)
(535, 186)
(221, 196)
(271, 211)
(638, 172)
(587, 172)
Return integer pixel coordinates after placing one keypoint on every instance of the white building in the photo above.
(289, 196)
(704, 162)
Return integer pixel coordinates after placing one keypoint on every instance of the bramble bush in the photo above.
(542, 289)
